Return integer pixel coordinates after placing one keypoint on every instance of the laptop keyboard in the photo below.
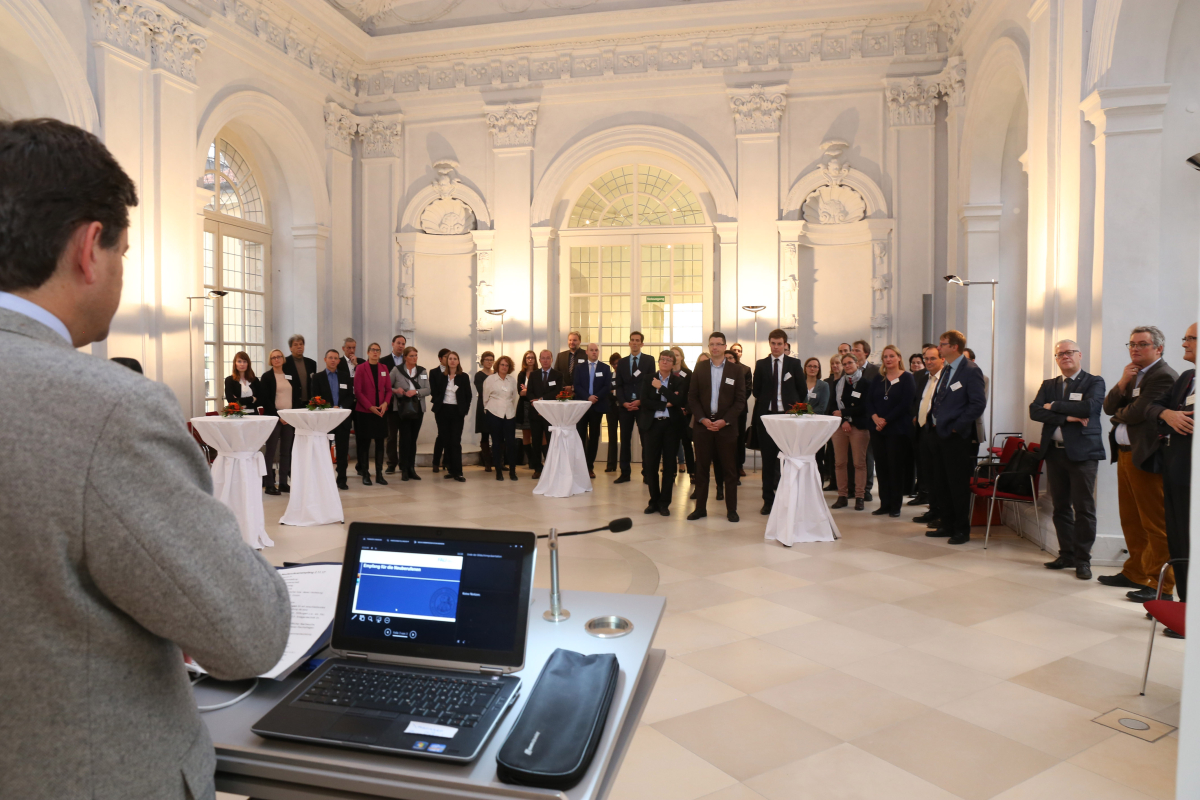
(457, 702)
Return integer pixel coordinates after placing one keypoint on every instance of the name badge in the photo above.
(1076, 395)
(729, 381)
(614, 381)
(855, 394)
(289, 377)
(954, 387)
(1191, 400)
(894, 381)
(383, 373)
(424, 377)
(1137, 391)
(787, 376)
(581, 361)
(552, 383)
(341, 386)
(637, 372)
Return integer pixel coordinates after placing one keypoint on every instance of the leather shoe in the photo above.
(611, 469)
(412, 474)
(939, 533)
(893, 513)
(379, 479)
(867, 496)
(919, 500)
(651, 509)
(622, 479)
(435, 469)
(1170, 634)
(390, 470)
(283, 487)
(665, 511)
(460, 479)
(591, 474)
(447, 477)
(537, 474)
(720, 492)
(841, 502)
(1147, 594)
(879, 512)
(697, 514)
(959, 539)
(692, 496)
(766, 510)
(741, 472)
(1059, 563)
(928, 516)
(1083, 572)
(1119, 580)
(342, 485)
(859, 504)
(366, 479)
(272, 490)
(733, 517)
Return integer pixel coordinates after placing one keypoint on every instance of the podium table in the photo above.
(565, 472)
(314, 497)
(239, 467)
(800, 513)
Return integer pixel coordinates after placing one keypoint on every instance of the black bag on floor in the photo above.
(1018, 473)
(553, 741)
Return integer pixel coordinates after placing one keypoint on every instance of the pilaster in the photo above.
(542, 253)
(726, 315)
(380, 144)
(485, 291)
(338, 304)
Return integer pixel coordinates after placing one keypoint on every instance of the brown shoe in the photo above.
(841, 502)
(859, 505)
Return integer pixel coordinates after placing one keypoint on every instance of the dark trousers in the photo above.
(589, 434)
(450, 425)
(341, 447)
(741, 439)
(438, 445)
(614, 439)
(280, 442)
(720, 449)
(927, 453)
(770, 459)
(362, 443)
(628, 420)
(410, 429)
(685, 444)
(1073, 495)
(893, 454)
(539, 430)
(660, 444)
(504, 445)
(952, 470)
(870, 467)
(393, 437)
(1177, 487)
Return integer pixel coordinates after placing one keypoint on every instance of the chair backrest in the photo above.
(1011, 445)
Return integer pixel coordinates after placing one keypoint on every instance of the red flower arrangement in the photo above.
(566, 394)
(800, 410)
(233, 410)
(318, 404)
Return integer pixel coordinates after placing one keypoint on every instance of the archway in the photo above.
(43, 77)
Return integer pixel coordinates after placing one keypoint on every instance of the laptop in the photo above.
(430, 621)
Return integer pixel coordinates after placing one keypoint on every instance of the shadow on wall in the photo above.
(834, 291)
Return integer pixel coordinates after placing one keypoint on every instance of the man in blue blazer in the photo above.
(958, 401)
(1069, 409)
(593, 382)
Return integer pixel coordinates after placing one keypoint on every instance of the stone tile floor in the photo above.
(886, 665)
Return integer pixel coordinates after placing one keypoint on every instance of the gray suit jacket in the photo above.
(116, 558)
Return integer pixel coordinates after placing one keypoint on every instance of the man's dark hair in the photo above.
(717, 335)
(955, 339)
(778, 333)
(638, 334)
(399, 336)
(335, 352)
(866, 348)
(969, 352)
(442, 353)
(54, 177)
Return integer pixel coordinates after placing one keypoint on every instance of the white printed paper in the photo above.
(954, 387)
(1190, 401)
(552, 383)
(855, 394)
(729, 381)
(1076, 396)
(1137, 391)
(426, 729)
(313, 591)
(341, 386)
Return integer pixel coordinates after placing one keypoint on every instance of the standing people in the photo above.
(717, 396)
(544, 384)
(299, 366)
(611, 420)
(776, 389)
(391, 361)
(889, 407)
(241, 386)
(593, 382)
(331, 384)
(827, 455)
(1135, 405)
(450, 394)
(957, 402)
(499, 400)
(663, 394)
(437, 439)
(735, 353)
(861, 351)
(629, 374)
(373, 395)
(927, 438)
(816, 390)
(525, 408)
(687, 455)
(486, 360)
(279, 390)
(410, 385)
(851, 438)
(1176, 424)
(1072, 445)
(570, 358)
(916, 365)
(348, 364)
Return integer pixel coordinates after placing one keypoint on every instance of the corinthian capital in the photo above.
(380, 138)
(512, 125)
(913, 101)
(340, 127)
(758, 109)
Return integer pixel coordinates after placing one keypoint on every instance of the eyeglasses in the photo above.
(1066, 353)
(1139, 345)
(1187, 339)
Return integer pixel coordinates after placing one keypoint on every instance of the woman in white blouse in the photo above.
(450, 392)
(500, 396)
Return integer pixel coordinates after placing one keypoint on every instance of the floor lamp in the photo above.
(991, 364)
(755, 310)
(498, 312)
(212, 294)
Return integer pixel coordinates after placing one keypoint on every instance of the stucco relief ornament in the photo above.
(757, 111)
(834, 203)
(446, 214)
(512, 126)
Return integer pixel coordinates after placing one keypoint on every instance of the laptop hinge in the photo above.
(357, 656)
(490, 671)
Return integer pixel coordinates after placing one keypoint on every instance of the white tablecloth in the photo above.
(314, 497)
(565, 472)
(239, 468)
(800, 513)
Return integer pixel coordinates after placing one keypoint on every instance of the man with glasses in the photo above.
(927, 438)
(1134, 406)
(630, 371)
(1069, 409)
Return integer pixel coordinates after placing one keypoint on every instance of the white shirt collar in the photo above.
(36, 313)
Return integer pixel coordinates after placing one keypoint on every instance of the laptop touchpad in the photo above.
(353, 728)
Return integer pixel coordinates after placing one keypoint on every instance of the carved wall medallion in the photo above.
(834, 205)
(447, 214)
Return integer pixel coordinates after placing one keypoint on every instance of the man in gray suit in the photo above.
(117, 559)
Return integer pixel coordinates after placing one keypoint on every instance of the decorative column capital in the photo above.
(913, 101)
(758, 109)
(165, 40)
(511, 125)
(340, 127)
(380, 137)
(952, 82)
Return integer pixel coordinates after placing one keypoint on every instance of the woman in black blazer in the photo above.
(450, 393)
(242, 387)
(889, 409)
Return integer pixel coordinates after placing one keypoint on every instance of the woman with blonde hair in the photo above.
(889, 406)
(499, 400)
(277, 390)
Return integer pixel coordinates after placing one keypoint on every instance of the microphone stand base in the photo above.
(550, 616)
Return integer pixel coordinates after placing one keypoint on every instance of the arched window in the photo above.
(237, 256)
(637, 255)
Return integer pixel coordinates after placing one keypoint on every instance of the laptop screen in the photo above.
(445, 594)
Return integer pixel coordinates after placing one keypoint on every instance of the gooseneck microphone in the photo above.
(556, 613)
(616, 526)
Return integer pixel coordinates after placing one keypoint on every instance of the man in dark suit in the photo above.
(1134, 404)
(1069, 409)
(593, 380)
(392, 416)
(660, 416)
(630, 371)
(542, 384)
(776, 389)
(331, 385)
(927, 438)
(861, 350)
(349, 362)
(1175, 425)
(958, 400)
(734, 355)
(716, 396)
(299, 366)
(570, 358)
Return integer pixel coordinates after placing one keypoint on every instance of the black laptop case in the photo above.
(553, 741)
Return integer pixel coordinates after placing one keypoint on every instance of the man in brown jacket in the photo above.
(569, 359)
(716, 398)
(1134, 446)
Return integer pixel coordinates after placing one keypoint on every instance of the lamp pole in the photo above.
(992, 363)
(498, 312)
(209, 295)
(755, 311)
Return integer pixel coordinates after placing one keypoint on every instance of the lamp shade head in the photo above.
(217, 293)
(754, 309)
(619, 525)
(954, 279)
(495, 311)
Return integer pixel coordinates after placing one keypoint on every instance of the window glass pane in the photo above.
(210, 256)
(232, 316)
(229, 200)
(688, 268)
(255, 253)
(656, 268)
(585, 317)
(685, 207)
(210, 320)
(231, 263)
(614, 320)
(654, 318)
(655, 181)
(254, 318)
(652, 212)
(585, 270)
(210, 384)
(619, 215)
(258, 358)
(614, 270)
(687, 318)
(588, 210)
(612, 185)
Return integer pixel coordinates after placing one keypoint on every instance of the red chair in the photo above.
(1171, 614)
(210, 455)
(987, 487)
(996, 451)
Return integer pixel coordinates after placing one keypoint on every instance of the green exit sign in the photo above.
(656, 298)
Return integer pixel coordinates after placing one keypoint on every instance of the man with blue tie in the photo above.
(630, 371)
(958, 401)
(592, 383)
(339, 393)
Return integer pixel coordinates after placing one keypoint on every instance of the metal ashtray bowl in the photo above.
(608, 627)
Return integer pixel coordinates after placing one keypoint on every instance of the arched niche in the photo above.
(410, 220)
(870, 192)
(42, 76)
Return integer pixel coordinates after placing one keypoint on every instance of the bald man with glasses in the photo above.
(1068, 406)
